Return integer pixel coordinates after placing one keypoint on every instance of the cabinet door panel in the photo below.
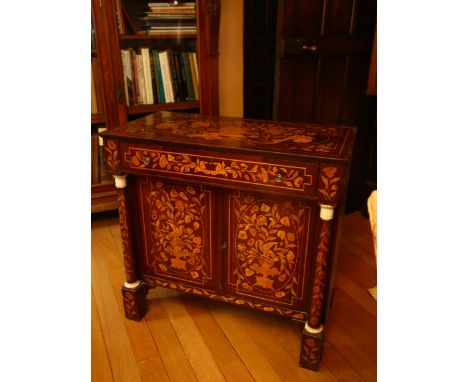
(268, 249)
(180, 243)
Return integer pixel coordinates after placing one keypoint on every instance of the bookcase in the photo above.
(149, 56)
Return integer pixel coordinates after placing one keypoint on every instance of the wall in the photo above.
(231, 59)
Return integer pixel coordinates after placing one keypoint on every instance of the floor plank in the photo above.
(122, 360)
(100, 367)
(188, 338)
(195, 348)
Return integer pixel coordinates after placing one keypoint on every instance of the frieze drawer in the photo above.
(240, 211)
(226, 169)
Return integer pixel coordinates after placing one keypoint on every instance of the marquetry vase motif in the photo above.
(176, 216)
(267, 246)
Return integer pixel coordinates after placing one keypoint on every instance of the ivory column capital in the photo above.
(326, 212)
(120, 181)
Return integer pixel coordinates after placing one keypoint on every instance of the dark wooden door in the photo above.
(322, 62)
(323, 53)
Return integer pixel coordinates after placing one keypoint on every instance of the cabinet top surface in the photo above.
(267, 137)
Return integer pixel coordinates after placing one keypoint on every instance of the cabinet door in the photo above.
(269, 249)
(179, 228)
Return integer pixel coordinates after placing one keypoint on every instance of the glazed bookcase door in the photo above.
(188, 32)
(267, 249)
(179, 229)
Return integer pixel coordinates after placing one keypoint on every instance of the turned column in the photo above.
(133, 290)
(312, 335)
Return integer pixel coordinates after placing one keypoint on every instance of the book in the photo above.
(166, 76)
(136, 86)
(128, 78)
(181, 75)
(188, 76)
(160, 86)
(154, 83)
(141, 81)
(147, 75)
(194, 71)
(174, 76)
(119, 16)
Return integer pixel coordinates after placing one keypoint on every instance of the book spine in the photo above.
(194, 70)
(181, 76)
(174, 76)
(154, 83)
(147, 75)
(119, 17)
(166, 76)
(130, 80)
(124, 71)
(157, 65)
(136, 86)
(188, 76)
(141, 79)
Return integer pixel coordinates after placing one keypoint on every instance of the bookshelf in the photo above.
(152, 56)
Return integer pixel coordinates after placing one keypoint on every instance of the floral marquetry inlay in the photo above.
(271, 136)
(267, 245)
(329, 184)
(111, 155)
(176, 228)
(272, 175)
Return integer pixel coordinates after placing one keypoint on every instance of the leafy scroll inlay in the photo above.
(267, 246)
(260, 173)
(328, 183)
(318, 289)
(310, 351)
(112, 160)
(294, 314)
(177, 230)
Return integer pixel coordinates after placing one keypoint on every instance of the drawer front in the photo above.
(179, 235)
(269, 251)
(230, 169)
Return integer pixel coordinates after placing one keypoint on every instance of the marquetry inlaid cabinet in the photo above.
(236, 210)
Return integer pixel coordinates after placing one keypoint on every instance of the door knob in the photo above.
(310, 48)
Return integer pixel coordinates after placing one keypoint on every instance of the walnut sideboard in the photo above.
(241, 211)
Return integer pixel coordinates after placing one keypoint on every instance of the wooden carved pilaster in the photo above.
(312, 335)
(129, 259)
(133, 290)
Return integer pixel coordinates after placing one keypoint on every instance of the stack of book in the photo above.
(153, 76)
(167, 18)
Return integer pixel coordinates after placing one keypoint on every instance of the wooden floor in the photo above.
(187, 338)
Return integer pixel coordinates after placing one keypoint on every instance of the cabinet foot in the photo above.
(311, 349)
(134, 300)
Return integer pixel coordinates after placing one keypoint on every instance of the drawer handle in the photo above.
(279, 178)
(146, 161)
(310, 48)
